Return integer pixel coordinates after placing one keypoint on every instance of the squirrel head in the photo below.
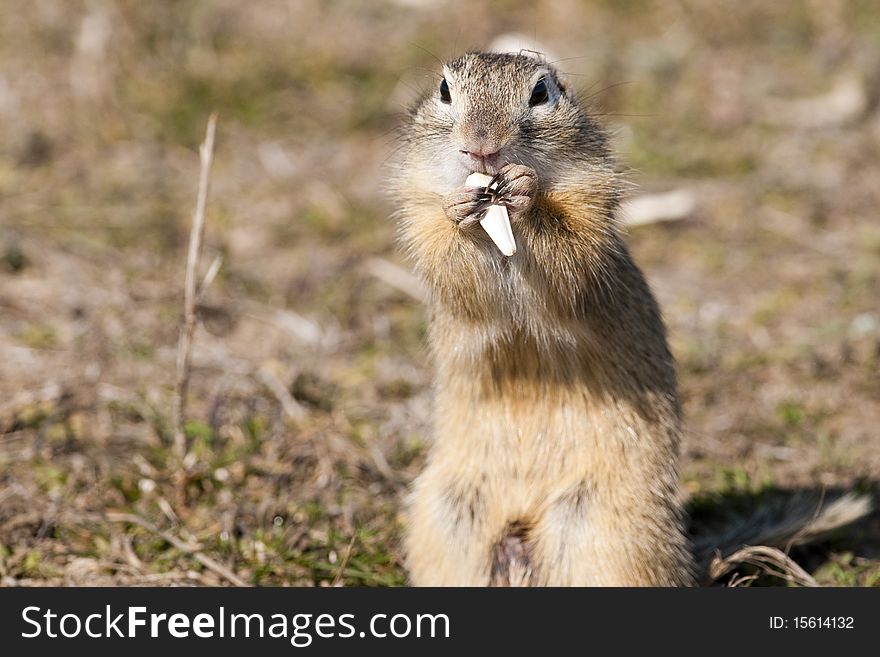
(493, 109)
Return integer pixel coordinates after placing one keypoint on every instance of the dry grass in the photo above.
(769, 561)
(308, 396)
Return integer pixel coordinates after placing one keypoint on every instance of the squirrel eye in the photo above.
(444, 91)
(539, 93)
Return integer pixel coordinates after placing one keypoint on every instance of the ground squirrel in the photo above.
(557, 418)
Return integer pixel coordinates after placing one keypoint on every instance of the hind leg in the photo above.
(601, 538)
(449, 537)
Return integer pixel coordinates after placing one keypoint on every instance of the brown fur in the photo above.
(557, 417)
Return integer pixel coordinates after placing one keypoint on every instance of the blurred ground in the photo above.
(766, 112)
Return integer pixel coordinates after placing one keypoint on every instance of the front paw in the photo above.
(466, 205)
(517, 188)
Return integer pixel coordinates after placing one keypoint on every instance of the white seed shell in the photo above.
(496, 222)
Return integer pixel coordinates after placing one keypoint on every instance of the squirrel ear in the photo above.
(520, 44)
(534, 54)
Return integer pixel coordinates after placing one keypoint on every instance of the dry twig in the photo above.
(337, 579)
(292, 408)
(184, 347)
(654, 208)
(397, 277)
(771, 561)
(193, 549)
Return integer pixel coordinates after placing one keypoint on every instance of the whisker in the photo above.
(426, 51)
(604, 89)
(568, 59)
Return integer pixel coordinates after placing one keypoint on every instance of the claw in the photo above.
(495, 180)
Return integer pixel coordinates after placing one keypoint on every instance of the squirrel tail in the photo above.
(800, 520)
